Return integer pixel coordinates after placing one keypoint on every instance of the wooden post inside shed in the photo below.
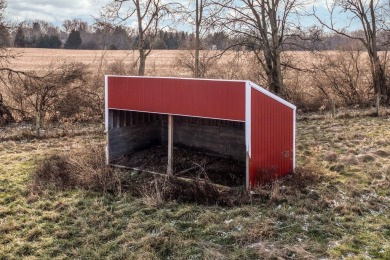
(170, 145)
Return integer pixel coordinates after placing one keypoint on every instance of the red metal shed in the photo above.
(268, 121)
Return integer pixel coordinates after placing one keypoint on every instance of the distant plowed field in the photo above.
(159, 61)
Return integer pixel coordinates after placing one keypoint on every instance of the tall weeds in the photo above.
(84, 168)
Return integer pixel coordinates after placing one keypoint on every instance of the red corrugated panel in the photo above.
(201, 98)
(272, 140)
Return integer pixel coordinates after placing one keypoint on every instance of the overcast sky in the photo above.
(54, 11)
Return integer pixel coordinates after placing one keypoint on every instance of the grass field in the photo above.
(232, 65)
(161, 61)
(341, 210)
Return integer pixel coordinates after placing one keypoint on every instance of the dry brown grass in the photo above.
(84, 168)
(160, 62)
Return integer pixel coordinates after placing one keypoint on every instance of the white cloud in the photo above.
(52, 11)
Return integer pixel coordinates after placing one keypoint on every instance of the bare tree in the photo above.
(200, 10)
(199, 7)
(262, 27)
(201, 64)
(41, 92)
(370, 14)
(5, 56)
(340, 75)
(4, 34)
(147, 14)
(75, 25)
(199, 14)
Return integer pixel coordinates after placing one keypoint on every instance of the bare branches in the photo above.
(262, 27)
(339, 75)
(369, 14)
(42, 92)
(148, 16)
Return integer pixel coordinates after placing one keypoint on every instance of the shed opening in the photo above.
(202, 147)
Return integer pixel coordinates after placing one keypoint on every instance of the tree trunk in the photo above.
(273, 71)
(141, 41)
(378, 103)
(5, 115)
(38, 115)
(38, 123)
(142, 62)
(197, 39)
(378, 75)
(271, 47)
(278, 73)
(277, 67)
(379, 81)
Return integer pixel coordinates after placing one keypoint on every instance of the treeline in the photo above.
(78, 34)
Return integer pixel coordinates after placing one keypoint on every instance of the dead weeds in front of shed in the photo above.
(86, 169)
(83, 168)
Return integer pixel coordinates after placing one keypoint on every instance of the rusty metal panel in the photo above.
(190, 97)
(272, 138)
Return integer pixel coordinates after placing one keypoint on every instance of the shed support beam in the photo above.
(170, 145)
(247, 171)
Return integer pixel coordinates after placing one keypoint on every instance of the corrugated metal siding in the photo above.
(271, 138)
(201, 98)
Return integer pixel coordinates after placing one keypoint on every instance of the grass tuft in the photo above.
(85, 168)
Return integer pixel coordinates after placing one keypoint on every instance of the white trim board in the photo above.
(271, 95)
(106, 102)
(294, 137)
(106, 119)
(248, 119)
(178, 78)
(248, 126)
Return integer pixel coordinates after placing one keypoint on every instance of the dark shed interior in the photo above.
(132, 133)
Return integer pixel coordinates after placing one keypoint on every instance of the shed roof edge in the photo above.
(154, 77)
(272, 95)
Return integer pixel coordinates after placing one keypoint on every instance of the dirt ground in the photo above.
(190, 164)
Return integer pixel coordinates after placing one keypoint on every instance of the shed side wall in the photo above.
(199, 98)
(272, 138)
(131, 131)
